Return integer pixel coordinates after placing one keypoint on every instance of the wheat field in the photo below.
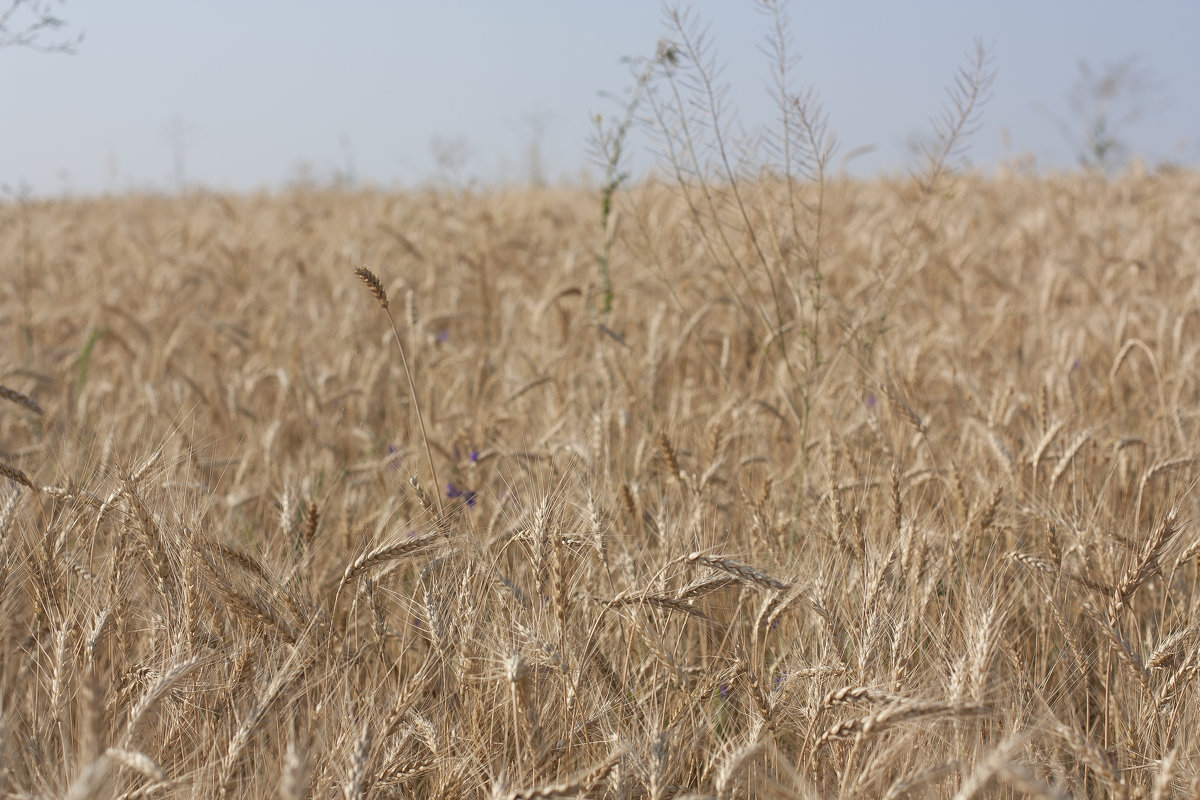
(899, 507)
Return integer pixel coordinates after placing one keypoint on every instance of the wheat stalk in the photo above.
(376, 288)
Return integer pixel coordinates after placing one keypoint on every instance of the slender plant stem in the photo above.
(412, 388)
(372, 282)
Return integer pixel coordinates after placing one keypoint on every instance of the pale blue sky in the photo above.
(248, 91)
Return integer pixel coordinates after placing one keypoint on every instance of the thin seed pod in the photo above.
(1167, 650)
(1069, 635)
(960, 494)
(1125, 652)
(257, 610)
(241, 736)
(1043, 406)
(242, 560)
(988, 515)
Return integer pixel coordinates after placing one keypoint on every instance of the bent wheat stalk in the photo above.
(376, 286)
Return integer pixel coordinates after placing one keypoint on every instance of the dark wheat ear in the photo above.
(17, 476)
(14, 396)
(373, 283)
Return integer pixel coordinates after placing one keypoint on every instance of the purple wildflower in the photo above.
(452, 492)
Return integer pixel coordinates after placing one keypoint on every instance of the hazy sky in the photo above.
(255, 93)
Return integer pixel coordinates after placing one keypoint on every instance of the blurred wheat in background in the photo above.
(773, 484)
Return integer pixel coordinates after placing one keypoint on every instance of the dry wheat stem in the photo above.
(373, 283)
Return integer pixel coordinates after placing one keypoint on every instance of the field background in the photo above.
(899, 506)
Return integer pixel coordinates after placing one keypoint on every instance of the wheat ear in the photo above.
(17, 476)
(25, 400)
